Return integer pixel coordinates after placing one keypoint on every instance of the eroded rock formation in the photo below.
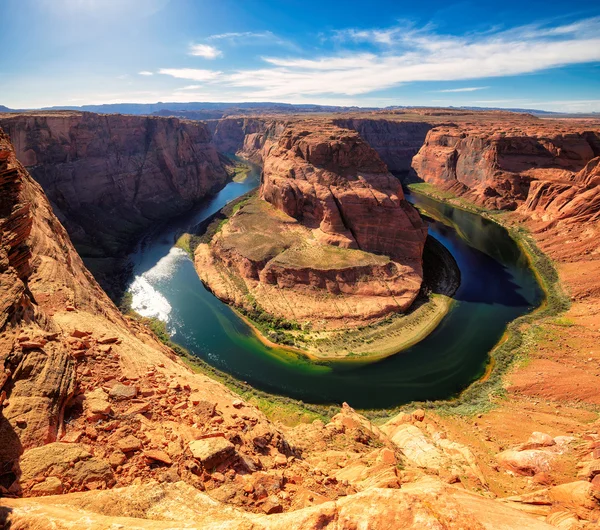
(333, 182)
(396, 142)
(91, 401)
(334, 228)
(497, 167)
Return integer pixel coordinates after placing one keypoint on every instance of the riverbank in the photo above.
(373, 341)
(516, 342)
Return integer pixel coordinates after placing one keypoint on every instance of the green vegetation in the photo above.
(238, 170)
(327, 257)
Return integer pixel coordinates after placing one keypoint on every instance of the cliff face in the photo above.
(396, 142)
(93, 407)
(572, 201)
(247, 137)
(109, 177)
(40, 272)
(334, 183)
(497, 168)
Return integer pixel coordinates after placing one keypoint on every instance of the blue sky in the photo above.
(529, 54)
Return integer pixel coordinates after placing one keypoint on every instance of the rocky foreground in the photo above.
(102, 426)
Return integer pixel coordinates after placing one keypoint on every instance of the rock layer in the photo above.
(497, 168)
(396, 142)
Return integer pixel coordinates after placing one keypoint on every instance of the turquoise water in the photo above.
(497, 286)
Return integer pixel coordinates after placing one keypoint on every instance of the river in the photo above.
(497, 286)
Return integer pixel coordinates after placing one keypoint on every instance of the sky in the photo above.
(510, 54)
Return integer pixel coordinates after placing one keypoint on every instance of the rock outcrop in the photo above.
(331, 181)
(574, 200)
(331, 230)
(109, 177)
(247, 137)
(102, 426)
(396, 142)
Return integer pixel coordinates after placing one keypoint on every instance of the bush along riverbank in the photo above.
(518, 339)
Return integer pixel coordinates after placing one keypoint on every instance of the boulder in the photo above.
(528, 462)
(97, 402)
(50, 486)
(129, 443)
(212, 451)
(121, 391)
(538, 439)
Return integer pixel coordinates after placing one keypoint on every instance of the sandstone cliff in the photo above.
(91, 401)
(335, 183)
(109, 177)
(246, 137)
(396, 142)
(496, 167)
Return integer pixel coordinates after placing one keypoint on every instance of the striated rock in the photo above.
(572, 201)
(334, 183)
(332, 225)
(498, 168)
(396, 142)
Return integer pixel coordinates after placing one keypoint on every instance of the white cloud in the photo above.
(145, 72)
(205, 50)
(192, 74)
(420, 55)
(191, 87)
(466, 89)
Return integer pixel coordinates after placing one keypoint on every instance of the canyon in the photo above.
(106, 176)
(102, 424)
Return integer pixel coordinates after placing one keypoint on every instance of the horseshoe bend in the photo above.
(265, 315)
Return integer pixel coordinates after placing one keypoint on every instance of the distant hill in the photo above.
(160, 107)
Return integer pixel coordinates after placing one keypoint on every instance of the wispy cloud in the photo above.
(242, 35)
(205, 50)
(465, 89)
(194, 74)
(422, 55)
(145, 72)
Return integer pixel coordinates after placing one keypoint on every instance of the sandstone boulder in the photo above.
(212, 451)
(528, 462)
